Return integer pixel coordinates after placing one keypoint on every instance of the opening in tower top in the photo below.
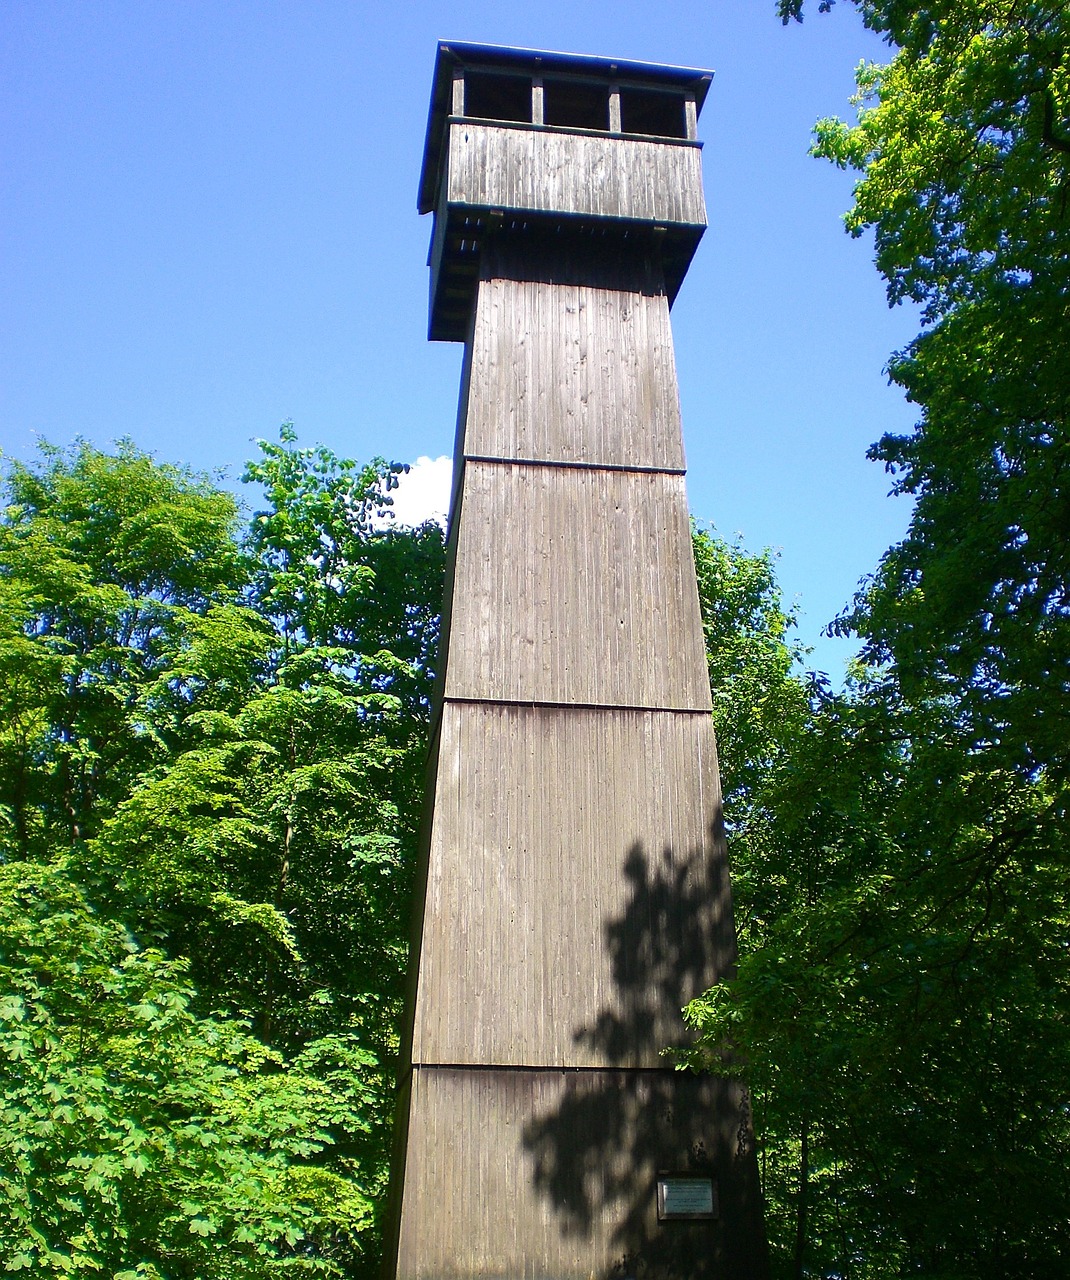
(488, 96)
(653, 112)
(574, 104)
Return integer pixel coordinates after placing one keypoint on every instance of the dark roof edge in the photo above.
(499, 53)
(452, 52)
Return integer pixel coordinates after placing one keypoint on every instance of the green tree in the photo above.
(276, 848)
(356, 603)
(903, 993)
(139, 1139)
(103, 561)
(963, 145)
(758, 697)
(902, 998)
(251, 747)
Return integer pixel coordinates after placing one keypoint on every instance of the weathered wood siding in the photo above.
(573, 372)
(575, 585)
(573, 878)
(492, 166)
(577, 893)
(531, 1175)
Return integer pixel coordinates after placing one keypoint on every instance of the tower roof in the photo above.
(535, 62)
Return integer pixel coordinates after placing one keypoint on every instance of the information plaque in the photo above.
(686, 1198)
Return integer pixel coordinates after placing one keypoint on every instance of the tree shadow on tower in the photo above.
(596, 1155)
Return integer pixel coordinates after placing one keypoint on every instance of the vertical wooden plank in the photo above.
(529, 1174)
(574, 373)
(553, 171)
(553, 615)
(607, 839)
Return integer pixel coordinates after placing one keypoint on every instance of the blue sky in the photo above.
(208, 227)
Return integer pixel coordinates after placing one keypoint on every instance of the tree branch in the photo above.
(1048, 132)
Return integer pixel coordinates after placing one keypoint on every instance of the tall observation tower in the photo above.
(574, 890)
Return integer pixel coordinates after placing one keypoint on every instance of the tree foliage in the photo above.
(902, 998)
(211, 760)
(139, 1138)
(758, 699)
(903, 993)
(963, 142)
(105, 561)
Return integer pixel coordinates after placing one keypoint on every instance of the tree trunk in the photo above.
(801, 1201)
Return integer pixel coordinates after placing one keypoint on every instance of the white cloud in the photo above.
(424, 492)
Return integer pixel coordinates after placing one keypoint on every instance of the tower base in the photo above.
(520, 1174)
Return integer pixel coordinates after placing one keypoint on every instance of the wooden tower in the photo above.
(574, 891)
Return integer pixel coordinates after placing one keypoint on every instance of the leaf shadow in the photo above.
(596, 1154)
